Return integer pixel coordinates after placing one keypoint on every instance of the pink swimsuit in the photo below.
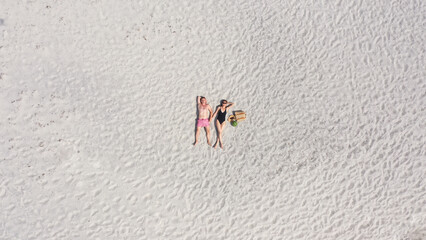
(203, 122)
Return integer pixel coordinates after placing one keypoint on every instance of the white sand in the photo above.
(98, 110)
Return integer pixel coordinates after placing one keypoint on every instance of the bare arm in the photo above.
(211, 111)
(198, 99)
(230, 105)
(217, 109)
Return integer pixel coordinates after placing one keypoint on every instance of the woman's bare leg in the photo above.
(219, 130)
(197, 134)
(222, 126)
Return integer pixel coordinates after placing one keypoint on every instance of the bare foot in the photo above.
(208, 142)
(215, 145)
(221, 145)
(195, 143)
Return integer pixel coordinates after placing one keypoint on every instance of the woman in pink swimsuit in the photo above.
(204, 118)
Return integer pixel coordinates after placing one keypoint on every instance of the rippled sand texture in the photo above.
(98, 106)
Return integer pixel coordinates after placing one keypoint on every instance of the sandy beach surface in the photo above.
(98, 110)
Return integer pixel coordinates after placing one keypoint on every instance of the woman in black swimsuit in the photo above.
(221, 120)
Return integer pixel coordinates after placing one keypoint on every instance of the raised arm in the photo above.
(198, 99)
(230, 105)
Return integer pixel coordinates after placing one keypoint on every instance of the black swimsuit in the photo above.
(221, 116)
